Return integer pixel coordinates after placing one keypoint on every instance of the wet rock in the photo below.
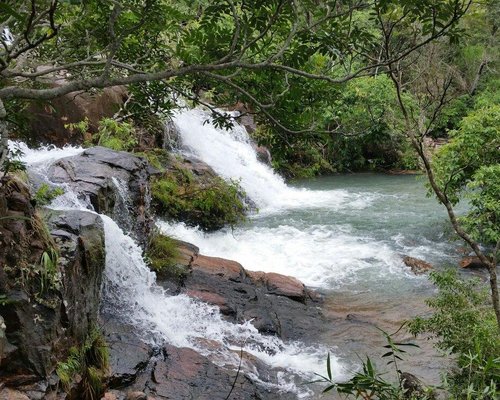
(116, 183)
(472, 262)
(276, 304)
(45, 315)
(171, 136)
(413, 386)
(79, 236)
(182, 373)
(136, 396)
(416, 265)
(263, 154)
(128, 354)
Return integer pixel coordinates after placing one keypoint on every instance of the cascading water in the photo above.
(306, 233)
(130, 293)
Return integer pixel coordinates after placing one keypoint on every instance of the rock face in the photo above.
(48, 123)
(44, 311)
(116, 183)
(182, 373)
(471, 262)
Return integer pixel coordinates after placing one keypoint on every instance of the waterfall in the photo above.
(231, 155)
(131, 293)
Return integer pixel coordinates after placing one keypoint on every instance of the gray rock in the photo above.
(115, 183)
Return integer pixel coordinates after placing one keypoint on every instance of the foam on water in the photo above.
(319, 255)
(131, 292)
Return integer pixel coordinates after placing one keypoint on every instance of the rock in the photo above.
(182, 373)
(48, 124)
(263, 154)
(116, 183)
(109, 396)
(44, 318)
(80, 238)
(472, 262)
(226, 269)
(9, 394)
(416, 265)
(275, 303)
(136, 396)
(128, 354)
(282, 285)
(413, 386)
(171, 136)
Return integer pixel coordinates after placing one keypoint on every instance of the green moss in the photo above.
(163, 256)
(156, 157)
(90, 361)
(209, 205)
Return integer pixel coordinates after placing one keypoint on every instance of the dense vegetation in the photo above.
(334, 85)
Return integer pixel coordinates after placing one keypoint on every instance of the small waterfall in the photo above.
(132, 293)
(231, 155)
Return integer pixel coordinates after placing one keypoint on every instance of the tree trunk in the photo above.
(495, 297)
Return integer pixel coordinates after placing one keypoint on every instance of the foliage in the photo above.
(470, 163)
(90, 362)
(369, 384)
(211, 204)
(116, 135)
(45, 194)
(464, 324)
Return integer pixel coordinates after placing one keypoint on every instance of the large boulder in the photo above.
(45, 307)
(115, 183)
(49, 123)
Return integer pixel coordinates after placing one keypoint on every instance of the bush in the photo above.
(90, 362)
(210, 205)
(116, 135)
(464, 324)
(45, 194)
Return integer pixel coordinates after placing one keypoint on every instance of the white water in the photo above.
(230, 154)
(131, 293)
(314, 248)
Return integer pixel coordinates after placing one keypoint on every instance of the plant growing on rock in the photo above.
(162, 255)
(45, 194)
(90, 362)
(211, 205)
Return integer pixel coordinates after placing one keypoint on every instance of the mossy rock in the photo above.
(191, 192)
(163, 257)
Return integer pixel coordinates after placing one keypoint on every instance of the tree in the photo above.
(61, 46)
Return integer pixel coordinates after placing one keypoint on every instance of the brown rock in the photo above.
(211, 298)
(416, 265)
(280, 285)
(9, 394)
(136, 396)
(227, 269)
(109, 396)
(472, 262)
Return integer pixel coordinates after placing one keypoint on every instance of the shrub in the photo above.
(162, 255)
(210, 205)
(116, 135)
(464, 323)
(45, 194)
